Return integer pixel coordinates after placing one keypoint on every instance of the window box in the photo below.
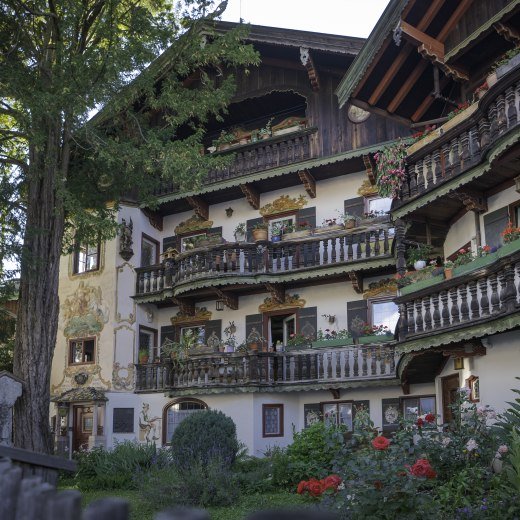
(296, 234)
(328, 229)
(508, 248)
(384, 338)
(478, 263)
(324, 343)
(421, 284)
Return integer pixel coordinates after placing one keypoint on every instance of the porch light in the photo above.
(219, 305)
(63, 410)
(458, 363)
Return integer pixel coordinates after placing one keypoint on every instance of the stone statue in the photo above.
(125, 243)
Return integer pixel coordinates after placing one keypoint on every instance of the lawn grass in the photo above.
(142, 510)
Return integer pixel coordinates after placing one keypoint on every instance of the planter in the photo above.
(229, 348)
(513, 63)
(288, 130)
(259, 235)
(276, 238)
(420, 264)
(508, 248)
(448, 273)
(456, 120)
(422, 284)
(475, 264)
(296, 234)
(253, 347)
(324, 343)
(240, 237)
(328, 229)
(491, 79)
(385, 338)
(350, 224)
(143, 359)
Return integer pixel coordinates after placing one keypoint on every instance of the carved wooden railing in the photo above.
(250, 259)
(338, 365)
(258, 156)
(464, 301)
(466, 144)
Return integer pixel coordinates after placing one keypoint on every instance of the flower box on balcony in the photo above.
(328, 229)
(508, 248)
(324, 343)
(383, 338)
(421, 284)
(477, 263)
(296, 234)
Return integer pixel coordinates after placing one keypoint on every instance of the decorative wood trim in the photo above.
(472, 201)
(308, 183)
(336, 393)
(290, 302)
(154, 218)
(199, 205)
(186, 307)
(357, 281)
(194, 223)
(308, 63)
(369, 169)
(283, 204)
(252, 196)
(419, 38)
(277, 291)
(507, 32)
(230, 300)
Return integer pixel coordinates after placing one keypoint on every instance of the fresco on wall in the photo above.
(149, 426)
(123, 377)
(84, 312)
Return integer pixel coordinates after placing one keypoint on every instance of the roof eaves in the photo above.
(373, 44)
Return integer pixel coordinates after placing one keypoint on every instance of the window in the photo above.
(414, 407)
(81, 351)
(272, 420)
(86, 258)
(514, 214)
(175, 413)
(473, 384)
(384, 313)
(148, 342)
(338, 413)
(280, 224)
(197, 332)
(149, 251)
(123, 420)
(378, 204)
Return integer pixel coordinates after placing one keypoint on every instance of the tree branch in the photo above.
(14, 162)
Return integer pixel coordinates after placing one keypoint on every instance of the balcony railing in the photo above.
(258, 156)
(465, 144)
(273, 369)
(468, 300)
(319, 251)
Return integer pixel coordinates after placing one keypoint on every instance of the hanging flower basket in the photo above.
(390, 169)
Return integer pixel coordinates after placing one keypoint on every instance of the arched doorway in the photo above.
(176, 411)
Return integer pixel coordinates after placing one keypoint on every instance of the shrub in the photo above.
(205, 436)
(254, 475)
(118, 468)
(201, 484)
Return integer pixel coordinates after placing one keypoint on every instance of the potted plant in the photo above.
(259, 232)
(240, 232)
(375, 216)
(390, 169)
(230, 342)
(448, 269)
(144, 356)
(255, 340)
(224, 140)
(481, 90)
(298, 341)
(349, 220)
(418, 256)
(298, 230)
(332, 338)
(276, 232)
(265, 132)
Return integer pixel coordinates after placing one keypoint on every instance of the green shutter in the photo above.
(256, 321)
(168, 332)
(355, 206)
(494, 223)
(356, 309)
(169, 242)
(308, 322)
(308, 215)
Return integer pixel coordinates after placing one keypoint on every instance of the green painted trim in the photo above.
(276, 172)
(499, 147)
(421, 284)
(382, 30)
(483, 28)
(477, 331)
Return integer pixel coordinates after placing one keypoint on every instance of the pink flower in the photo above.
(471, 445)
(503, 449)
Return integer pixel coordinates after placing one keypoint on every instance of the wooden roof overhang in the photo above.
(405, 70)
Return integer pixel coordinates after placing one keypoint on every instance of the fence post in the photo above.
(10, 391)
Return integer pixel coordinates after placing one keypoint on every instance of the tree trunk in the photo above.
(38, 307)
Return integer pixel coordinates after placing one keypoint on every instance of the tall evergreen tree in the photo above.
(60, 60)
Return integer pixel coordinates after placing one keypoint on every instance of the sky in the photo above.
(345, 17)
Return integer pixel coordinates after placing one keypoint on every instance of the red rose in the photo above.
(419, 423)
(315, 488)
(422, 469)
(331, 482)
(302, 486)
(380, 443)
(430, 418)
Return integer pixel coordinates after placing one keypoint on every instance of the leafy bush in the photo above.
(311, 454)
(201, 484)
(254, 475)
(117, 468)
(204, 436)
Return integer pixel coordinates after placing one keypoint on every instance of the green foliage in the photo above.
(204, 436)
(118, 468)
(201, 484)
(311, 454)
(254, 475)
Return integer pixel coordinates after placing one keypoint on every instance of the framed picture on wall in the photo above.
(473, 384)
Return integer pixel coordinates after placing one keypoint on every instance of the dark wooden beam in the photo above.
(312, 72)
(507, 32)
(369, 168)
(357, 281)
(407, 86)
(472, 201)
(199, 205)
(336, 393)
(420, 38)
(230, 300)
(186, 307)
(252, 196)
(154, 218)
(308, 183)
(454, 19)
(277, 291)
(380, 112)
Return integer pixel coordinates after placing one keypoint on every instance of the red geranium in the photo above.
(419, 423)
(331, 482)
(315, 487)
(430, 418)
(302, 486)
(422, 469)
(380, 443)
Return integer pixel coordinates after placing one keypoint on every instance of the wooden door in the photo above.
(83, 424)
(450, 388)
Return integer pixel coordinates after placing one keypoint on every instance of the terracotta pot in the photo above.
(143, 359)
(350, 224)
(253, 347)
(448, 273)
(259, 234)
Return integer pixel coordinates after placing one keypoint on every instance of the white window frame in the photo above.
(280, 220)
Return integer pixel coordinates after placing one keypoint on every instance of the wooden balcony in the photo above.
(259, 156)
(230, 263)
(480, 302)
(472, 139)
(272, 371)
